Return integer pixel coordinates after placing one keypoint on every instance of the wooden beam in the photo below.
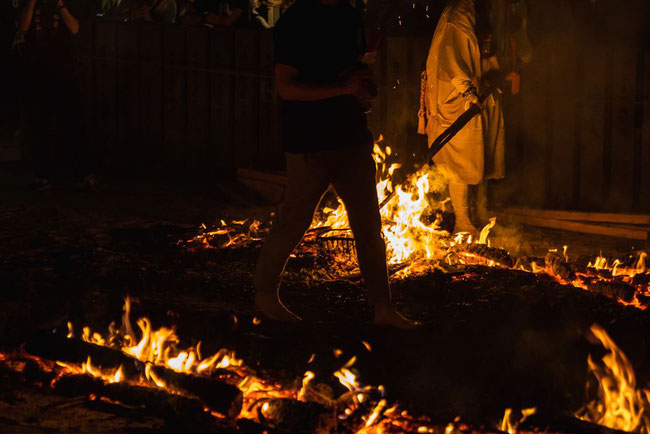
(567, 225)
(632, 219)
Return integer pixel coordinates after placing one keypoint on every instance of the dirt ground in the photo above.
(491, 338)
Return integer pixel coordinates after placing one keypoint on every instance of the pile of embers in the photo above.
(626, 280)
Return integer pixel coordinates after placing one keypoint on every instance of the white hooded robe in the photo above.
(453, 66)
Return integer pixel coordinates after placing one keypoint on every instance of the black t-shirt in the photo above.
(322, 43)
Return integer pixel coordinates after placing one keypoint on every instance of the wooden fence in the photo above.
(194, 100)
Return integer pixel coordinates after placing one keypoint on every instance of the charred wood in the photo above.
(558, 267)
(288, 415)
(613, 289)
(155, 402)
(482, 254)
(219, 396)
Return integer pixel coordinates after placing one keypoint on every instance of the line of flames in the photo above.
(621, 404)
(158, 347)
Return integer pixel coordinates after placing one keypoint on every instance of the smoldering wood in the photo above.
(155, 400)
(296, 416)
(557, 266)
(484, 252)
(217, 395)
(613, 289)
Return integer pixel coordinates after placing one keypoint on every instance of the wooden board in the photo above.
(106, 91)
(592, 128)
(149, 149)
(644, 191)
(198, 99)
(246, 97)
(587, 228)
(562, 122)
(174, 100)
(270, 118)
(622, 155)
(221, 153)
(633, 219)
(128, 88)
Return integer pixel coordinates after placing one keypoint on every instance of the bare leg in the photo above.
(458, 193)
(305, 186)
(355, 184)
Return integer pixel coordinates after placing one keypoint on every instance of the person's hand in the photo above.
(514, 78)
(471, 100)
(360, 85)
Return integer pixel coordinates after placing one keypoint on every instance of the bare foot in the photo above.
(385, 315)
(272, 307)
(467, 227)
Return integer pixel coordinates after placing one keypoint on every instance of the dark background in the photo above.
(194, 103)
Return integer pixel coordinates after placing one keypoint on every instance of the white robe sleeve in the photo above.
(457, 59)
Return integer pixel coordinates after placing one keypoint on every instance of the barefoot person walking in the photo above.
(319, 44)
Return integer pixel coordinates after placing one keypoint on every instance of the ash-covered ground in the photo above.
(491, 338)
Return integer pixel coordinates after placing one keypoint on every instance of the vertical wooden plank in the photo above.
(397, 75)
(174, 99)
(128, 122)
(622, 151)
(644, 190)
(592, 128)
(534, 124)
(85, 73)
(149, 148)
(562, 113)
(270, 137)
(246, 97)
(221, 99)
(198, 98)
(105, 85)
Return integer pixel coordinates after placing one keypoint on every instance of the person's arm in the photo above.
(26, 16)
(70, 21)
(291, 88)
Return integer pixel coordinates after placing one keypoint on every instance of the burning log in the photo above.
(613, 289)
(525, 263)
(217, 395)
(289, 415)
(155, 401)
(482, 254)
(558, 267)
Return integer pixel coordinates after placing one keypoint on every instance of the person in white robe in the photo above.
(453, 74)
(457, 64)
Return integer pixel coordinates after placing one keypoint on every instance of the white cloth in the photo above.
(453, 66)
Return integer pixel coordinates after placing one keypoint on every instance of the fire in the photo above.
(621, 404)
(511, 425)
(407, 235)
